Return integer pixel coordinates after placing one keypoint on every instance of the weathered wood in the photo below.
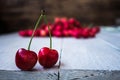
(28, 75)
(89, 75)
(11, 43)
(91, 54)
(112, 38)
(82, 59)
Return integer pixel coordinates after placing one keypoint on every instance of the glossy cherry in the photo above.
(43, 33)
(23, 33)
(47, 57)
(25, 59)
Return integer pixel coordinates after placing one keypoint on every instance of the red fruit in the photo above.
(57, 33)
(57, 19)
(71, 21)
(23, 33)
(58, 28)
(95, 29)
(92, 34)
(66, 25)
(70, 31)
(76, 33)
(47, 57)
(46, 28)
(30, 31)
(63, 19)
(85, 32)
(42, 26)
(43, 33)
(25, 59)
(65, 33)
(74, 22)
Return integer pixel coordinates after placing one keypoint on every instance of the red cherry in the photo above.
(95, 29)
(46, 28)
(76, 33)
(25, 59)
(23, 33)
(58, 27)
(71, 21)
(85, 32)
(74, 22)
(92, 34)
(47, 57)
(57, 19)
(57, 33)
(42, 26)
(65, 33)
(63, 19)
(30, 31)
(43, 33)
(66, 25)
(70, 31)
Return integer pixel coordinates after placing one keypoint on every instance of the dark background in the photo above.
(22, 14)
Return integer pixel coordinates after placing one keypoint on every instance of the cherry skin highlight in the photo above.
(25, 59)
(47, 57)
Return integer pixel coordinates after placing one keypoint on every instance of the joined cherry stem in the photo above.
(36, 25)
(38, 21)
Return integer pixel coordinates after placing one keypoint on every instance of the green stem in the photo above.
(39, 19)
(45, 18)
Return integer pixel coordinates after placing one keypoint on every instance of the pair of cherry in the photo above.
(47, 57)
(26, 59)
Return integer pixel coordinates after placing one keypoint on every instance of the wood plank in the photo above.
(82, 59)
(89, 75)
(89, 54)
(112, 38)
(12, 42)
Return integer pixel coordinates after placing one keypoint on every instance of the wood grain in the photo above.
(82, 59)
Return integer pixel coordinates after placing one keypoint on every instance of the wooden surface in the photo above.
(100, 55)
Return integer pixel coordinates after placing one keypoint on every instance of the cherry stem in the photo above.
(45, 19)
(36, 25)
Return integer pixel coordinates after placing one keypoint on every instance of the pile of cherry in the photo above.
(63, 27)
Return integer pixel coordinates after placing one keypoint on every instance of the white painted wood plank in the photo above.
(12, 42)
(82, 59)
(89, 54)
(112, 38)
(92, 54)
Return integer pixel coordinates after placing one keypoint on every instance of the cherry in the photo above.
(23, 33)
(46, 28)
(47, 57)
(66, 33)
(42, 33)
(57, 33)
(76, 33)
(85, 32)
(58, 27)
(92, 34)
(26, 59)
(56, 19)
(30, 32)
(95, 29)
